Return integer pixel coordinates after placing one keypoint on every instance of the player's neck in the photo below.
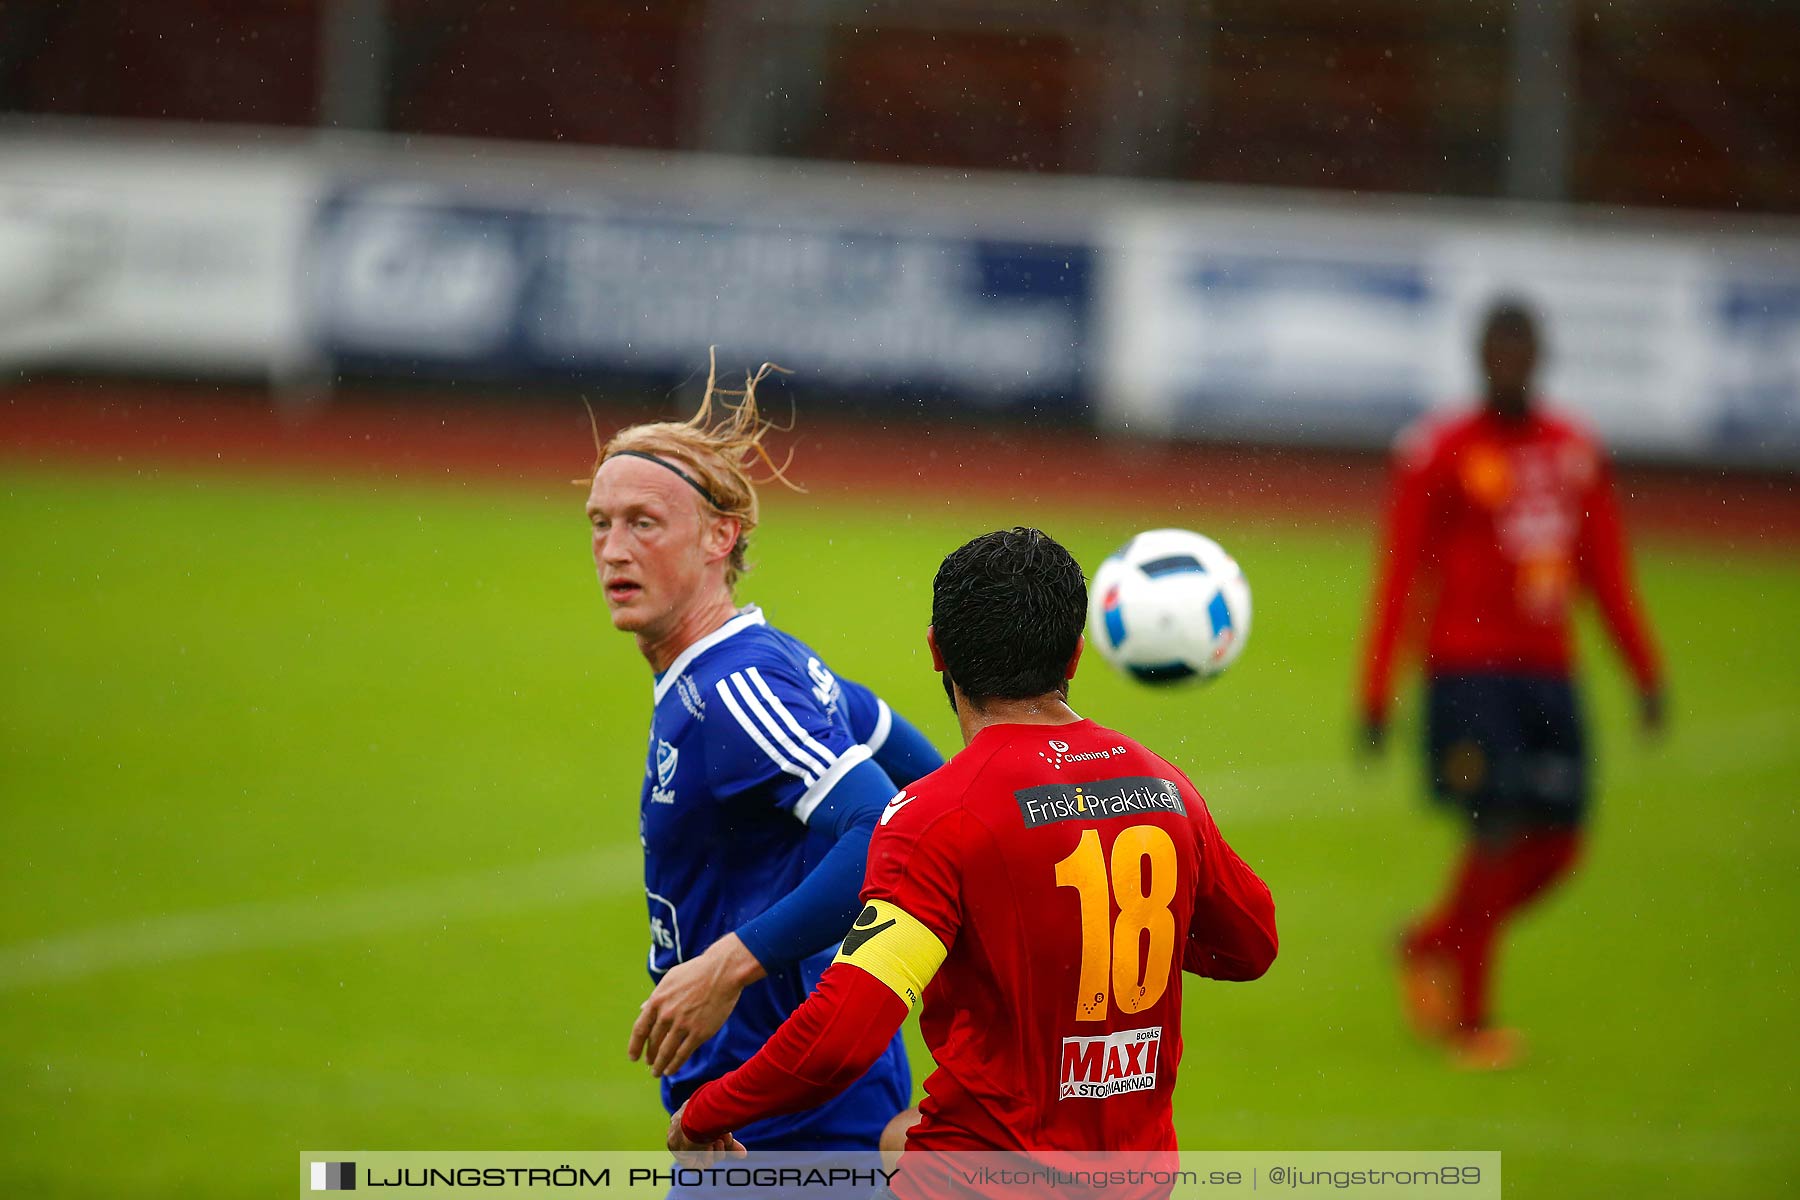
(1509, 409)
(1048, 709)
(662, 649)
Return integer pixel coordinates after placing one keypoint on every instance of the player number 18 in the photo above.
(1111, 956)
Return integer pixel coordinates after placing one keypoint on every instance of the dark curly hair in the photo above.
(1008, 609)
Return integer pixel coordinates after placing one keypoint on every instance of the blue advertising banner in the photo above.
(410, 279)
(1759, 365)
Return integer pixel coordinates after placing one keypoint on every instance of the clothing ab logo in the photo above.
(666, 758)
(1094, 1068)
(1062, 755)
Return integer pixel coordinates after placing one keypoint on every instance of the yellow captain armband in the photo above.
(895, 947)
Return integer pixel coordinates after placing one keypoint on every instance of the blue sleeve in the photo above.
(906, 756)
(776, 741)
(898, 746)
(819, 911)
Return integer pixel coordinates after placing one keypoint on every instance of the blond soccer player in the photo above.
(764, 777)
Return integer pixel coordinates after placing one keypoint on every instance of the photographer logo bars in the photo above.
(334, 1177)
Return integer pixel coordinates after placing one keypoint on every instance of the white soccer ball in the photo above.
(1169, 605)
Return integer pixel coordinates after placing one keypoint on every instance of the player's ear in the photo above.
(937, 664)
(721, 536)
(1075, 658)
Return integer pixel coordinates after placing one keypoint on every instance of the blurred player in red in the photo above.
(1504, 514)
(1040, 894)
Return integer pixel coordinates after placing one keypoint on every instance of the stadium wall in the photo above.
(1159, 310)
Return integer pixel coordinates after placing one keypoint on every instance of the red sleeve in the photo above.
(820, 1050)
(915, 861)
(1403, 549)
(1232, 935)
(1606, 568)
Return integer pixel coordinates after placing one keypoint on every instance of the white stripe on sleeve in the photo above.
(803, 807)
(884, 725)
(750, 727)
(772, 728)
(825, 756)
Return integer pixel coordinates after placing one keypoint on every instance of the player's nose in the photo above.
(612, 546)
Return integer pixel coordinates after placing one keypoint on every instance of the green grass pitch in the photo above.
(318, 829)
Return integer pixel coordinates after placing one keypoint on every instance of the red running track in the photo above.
(416, 436)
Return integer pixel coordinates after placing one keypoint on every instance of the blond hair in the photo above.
(719, 447)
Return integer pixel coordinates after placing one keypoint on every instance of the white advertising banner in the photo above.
(1319, 326)
(135, 254)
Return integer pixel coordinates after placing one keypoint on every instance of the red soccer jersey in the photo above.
(1051, 882)
(1072, 875)
(1505, 520)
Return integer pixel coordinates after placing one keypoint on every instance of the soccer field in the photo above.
(319, 829)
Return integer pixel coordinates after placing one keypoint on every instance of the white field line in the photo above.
(1238, 796)
(149, 941)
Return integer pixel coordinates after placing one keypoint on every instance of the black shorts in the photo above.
(1509, 750)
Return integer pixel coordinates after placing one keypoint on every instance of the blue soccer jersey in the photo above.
(750, 736)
